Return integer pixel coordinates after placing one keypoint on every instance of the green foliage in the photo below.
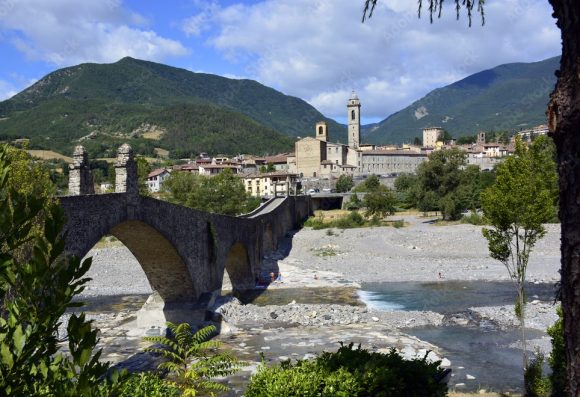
(444, 183)
(354, 203)
(557, 358)
(193, 359)
(473, 219)
(466, 139)
(516, 206)
(535, 384)
(399, 223)
(143, 169)
(344, 183)
(267, 168)
(222, 194)
(349, 373)
(148, 384)
(35, 291)
(352, 220)
(379, 202)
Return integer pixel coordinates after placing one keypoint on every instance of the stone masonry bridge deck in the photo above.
(183, 252)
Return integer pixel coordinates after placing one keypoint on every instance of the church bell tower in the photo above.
(353, 108)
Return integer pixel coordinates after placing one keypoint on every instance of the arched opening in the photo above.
(320, 130)
(238, 268)
(352, 115)
(165, 270)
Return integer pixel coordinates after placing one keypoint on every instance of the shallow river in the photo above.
(482, 352)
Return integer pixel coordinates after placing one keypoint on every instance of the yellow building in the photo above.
(271, 184)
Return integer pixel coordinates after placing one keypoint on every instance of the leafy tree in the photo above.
(380, 202)
(417, 141)
(193, 360)
(446, 136)
(467, 139)
(517, 205)
(563, 120)
(178, 185)
(372, 183)
(35, 291)
(222, 194)
(437, 181)
(267, 168)
(143, 170)
(354, 203)
(344, 183)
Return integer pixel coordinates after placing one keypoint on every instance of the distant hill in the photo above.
(155, 105)
(507, 97)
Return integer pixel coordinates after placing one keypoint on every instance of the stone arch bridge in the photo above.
(183, 252)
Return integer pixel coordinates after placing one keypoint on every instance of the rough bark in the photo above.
(564, 124)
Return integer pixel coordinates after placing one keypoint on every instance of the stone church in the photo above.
(318, 157)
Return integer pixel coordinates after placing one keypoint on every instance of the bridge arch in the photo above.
(238, 267)
(166, 271)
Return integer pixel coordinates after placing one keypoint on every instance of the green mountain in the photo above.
(155, 105)
(507, 97)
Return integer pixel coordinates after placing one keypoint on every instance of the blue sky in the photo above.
(317, 50)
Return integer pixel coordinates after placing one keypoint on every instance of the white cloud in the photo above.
(67, 32)
(7, 90)
(319, 50)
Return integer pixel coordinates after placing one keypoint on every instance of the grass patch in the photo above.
(49, 155)
(326, 250)
(346, 220)
(474, 219)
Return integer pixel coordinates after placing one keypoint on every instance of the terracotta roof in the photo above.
(156, 172)
(279, 158)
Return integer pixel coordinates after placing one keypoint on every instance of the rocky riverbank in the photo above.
(312, 259)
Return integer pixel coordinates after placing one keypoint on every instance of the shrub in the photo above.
(473, 219)
(399, 223)
(350, 373)
(148, 384)
(193, 360)
(557, 358)
(536, 385)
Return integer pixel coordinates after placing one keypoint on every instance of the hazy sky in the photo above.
(317, 50)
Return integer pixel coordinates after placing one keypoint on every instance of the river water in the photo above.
(483, 352)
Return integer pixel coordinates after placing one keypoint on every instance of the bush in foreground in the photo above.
(350, 372)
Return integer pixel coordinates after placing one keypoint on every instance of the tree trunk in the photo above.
(564, 124)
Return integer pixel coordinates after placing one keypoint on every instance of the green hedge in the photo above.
(349, 373)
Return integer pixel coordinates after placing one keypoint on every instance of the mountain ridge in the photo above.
(509, 96)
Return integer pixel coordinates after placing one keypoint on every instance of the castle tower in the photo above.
(322, 131)
(79, 180)
(353, 108)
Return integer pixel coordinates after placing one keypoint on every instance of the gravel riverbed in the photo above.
(419, 252)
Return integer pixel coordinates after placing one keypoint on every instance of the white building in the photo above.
(156, 178)
(271, 184)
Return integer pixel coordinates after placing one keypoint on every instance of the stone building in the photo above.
(317, 157)
(431, 135)
(383, 162)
